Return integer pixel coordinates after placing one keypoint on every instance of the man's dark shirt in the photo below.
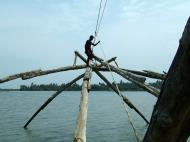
(88, 46)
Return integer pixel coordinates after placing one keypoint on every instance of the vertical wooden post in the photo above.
(80, 131)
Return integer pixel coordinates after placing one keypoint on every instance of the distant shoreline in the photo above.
(9, 89)
(2, 90)
(123, 86)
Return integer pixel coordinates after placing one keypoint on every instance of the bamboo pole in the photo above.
(35, 73)
(109, 84)
(129, 76)
(139, 73)
(80, 131)
(19, 75)
(51, 98)
(61, 69)
(147, 87)
(149, 74)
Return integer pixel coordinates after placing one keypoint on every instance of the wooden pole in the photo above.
(61, 69)
(51, 98)
(109, 84)
(147, 87)
(129, 76)
(35, 73)
(149, 74)
(19, 75)
(80, 131)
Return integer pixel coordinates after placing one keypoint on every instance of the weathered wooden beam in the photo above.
(51, 98)
(19, 75)
(133, 76)
(153, 75)
(80, 131)
(36, 73)
(61, 69)
(114, 89)
(149, 74)
(146, 86)
(170, 119)
(129, 76)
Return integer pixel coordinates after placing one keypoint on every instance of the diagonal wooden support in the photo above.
(80, 131)
(149, 74)
(109, 84)
(147, 87)
(129, 76)
(51, 98)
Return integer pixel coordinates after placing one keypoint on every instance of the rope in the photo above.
(98, 17)
(132, 125)
(101, 16)
(98, 23)
(99, 20)
(128, 114)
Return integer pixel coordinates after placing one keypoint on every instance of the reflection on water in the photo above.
(107, 119)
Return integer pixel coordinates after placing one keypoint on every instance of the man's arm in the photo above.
(96, 43)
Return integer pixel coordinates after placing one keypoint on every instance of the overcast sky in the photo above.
(43, 34)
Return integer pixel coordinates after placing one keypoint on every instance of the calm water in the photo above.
(107, 119)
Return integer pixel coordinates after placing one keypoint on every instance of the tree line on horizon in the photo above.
(123, 86)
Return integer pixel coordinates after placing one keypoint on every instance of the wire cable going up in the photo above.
(97, 21)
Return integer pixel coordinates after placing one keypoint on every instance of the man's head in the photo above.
(91, 37)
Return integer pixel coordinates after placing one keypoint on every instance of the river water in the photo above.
(107, 119)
